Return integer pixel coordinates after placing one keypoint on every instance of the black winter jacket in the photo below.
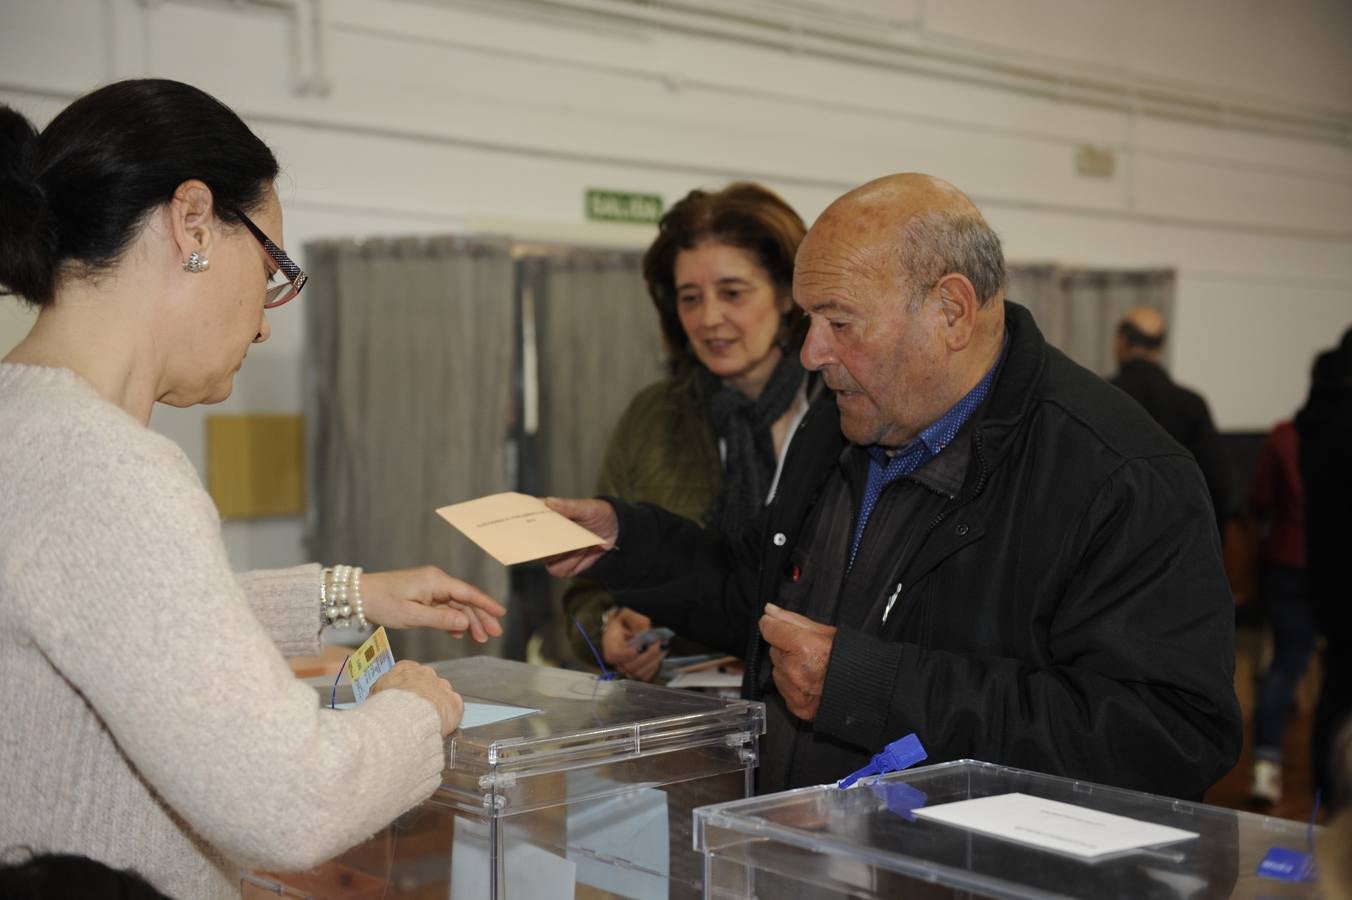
(1065, 612)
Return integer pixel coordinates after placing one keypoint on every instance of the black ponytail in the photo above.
(80, 191)
(27, 226)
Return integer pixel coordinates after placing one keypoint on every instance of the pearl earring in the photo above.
(196, 262)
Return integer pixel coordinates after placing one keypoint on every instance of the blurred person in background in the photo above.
(1275, 507)
(1325, 428)
(1183, 413)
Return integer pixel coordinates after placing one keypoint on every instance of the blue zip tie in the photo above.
(900, 754)
(606, 674)
(333, 694)
(1314, 814)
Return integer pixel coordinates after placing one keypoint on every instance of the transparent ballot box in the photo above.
(876, 840)
(581, 788)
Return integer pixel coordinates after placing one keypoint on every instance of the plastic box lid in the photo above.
(620, 728)
(852, 840)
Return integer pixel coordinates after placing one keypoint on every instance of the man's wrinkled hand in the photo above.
(598, 517)
(800, 650)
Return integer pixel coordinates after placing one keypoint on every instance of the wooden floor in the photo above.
(1297, 780)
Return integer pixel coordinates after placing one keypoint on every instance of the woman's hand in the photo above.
(427, 597)
(622, 627)
(422, 680)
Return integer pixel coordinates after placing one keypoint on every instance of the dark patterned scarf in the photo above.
(744, 426)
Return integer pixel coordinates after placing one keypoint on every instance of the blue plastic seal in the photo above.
(898, 755)
(899, 797)
(1287, 865)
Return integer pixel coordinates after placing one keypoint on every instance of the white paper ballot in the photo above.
(479, 714)
(709, 679)
(1052, 825)
(620, 844)
(530, 871)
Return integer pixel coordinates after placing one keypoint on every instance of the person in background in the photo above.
(1325, 428)
(708, 442)
(1276, 503)
(151, 720)
(1183, 413)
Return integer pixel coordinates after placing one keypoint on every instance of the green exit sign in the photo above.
(623, 206)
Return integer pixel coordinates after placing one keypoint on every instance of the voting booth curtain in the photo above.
(408, 371)
(1078, 309)
(442, 370)
(597, 342)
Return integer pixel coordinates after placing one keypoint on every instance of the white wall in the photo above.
(1229, 121)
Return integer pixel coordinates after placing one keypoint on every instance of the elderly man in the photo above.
(973, 538)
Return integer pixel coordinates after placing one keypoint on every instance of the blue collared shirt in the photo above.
(883, 470)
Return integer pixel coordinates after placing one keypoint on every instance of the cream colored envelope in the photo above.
(515, 528)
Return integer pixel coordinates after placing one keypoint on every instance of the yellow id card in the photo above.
(368, 662)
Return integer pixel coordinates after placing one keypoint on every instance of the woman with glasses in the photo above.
(150, 719)
(706, 443)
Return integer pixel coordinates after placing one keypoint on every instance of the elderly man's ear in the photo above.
(959, 305)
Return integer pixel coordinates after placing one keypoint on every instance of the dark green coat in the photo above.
(663, 451)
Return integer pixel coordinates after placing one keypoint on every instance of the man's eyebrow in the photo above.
(829, 306)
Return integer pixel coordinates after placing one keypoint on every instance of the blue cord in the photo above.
(606, 674)
(1314, 814)
(333, 695)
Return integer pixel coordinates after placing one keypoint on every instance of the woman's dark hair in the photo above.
(742, 215)
(51, 875)
(77, 193)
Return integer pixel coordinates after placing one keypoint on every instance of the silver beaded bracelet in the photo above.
(340, 603)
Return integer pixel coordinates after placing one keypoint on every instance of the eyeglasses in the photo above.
(287, 281)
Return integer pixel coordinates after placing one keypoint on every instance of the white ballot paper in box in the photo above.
(531, 871)
(515, 528)
(1052, 825)
(620, 843)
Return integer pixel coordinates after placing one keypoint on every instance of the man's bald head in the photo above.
(903, 283)
(1140, 334)
(914, 228)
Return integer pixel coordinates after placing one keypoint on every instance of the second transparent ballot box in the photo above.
(876, 840)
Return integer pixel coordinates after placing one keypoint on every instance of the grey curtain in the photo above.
(1078, 309)
(596, 343)
(409, 352)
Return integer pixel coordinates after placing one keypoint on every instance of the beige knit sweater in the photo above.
(147, 716)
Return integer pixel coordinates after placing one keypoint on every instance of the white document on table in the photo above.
(706, 679)
(479, 714)
(1052, 825)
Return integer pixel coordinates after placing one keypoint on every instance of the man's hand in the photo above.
(800, 650)
(598, 517)
(623, 626)
(427, 597)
